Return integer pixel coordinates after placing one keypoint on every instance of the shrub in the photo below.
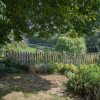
(49, 68)
(71, 45)
(14, 46)
(2, 68)
(14, 66)
(85, 82)
(64, 68)
(40, 68)
(57, 67)
(22, 44)
(70, 68)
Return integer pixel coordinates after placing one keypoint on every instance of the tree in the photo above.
(71, 45)
(93, 43)
(4, 24)
(47, 17)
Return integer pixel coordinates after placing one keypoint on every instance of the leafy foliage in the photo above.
(41, 68)
(64, 68)
(14, 66)
(85, 82)
(4, 24)
(14, 46)
(93, 43)
(71, 45)
(47, 17)
(2, 67)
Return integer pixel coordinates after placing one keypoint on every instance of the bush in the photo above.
(57, 67)
(64, 68)
(49, 68)
(70, 68)
(14, 46)
(40, 67)
(2, 68)
(14, 66)
(85, 82)
(71, 45)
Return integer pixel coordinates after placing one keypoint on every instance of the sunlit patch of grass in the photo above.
(27, 49)
(57, 97)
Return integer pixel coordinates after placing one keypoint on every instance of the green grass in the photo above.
(28, 49)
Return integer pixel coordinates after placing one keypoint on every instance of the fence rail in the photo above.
(53, 57)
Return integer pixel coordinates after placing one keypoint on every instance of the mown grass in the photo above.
(27, 49)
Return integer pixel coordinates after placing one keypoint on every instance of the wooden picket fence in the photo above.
(53, 57)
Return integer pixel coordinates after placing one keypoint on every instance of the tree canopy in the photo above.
(71, 45)
(47, 17)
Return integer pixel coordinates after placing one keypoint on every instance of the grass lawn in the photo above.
(28, 49)
(33, 87)
(41, 47)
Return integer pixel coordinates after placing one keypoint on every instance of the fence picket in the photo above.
(53, 57)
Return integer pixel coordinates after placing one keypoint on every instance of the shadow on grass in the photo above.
(23, 83)
(40, 47)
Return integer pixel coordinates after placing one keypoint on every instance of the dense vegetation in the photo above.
(64, 68)
(71, 45)
(70, 20)
(15, 66)
(93, 43)
(47, 17)
(85, 82)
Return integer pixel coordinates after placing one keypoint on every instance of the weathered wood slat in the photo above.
(53, 57)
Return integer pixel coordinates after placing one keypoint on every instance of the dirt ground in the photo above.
(33, 87)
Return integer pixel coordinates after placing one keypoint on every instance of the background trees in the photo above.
(4, 27)
(71, 45)
(47, 17)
